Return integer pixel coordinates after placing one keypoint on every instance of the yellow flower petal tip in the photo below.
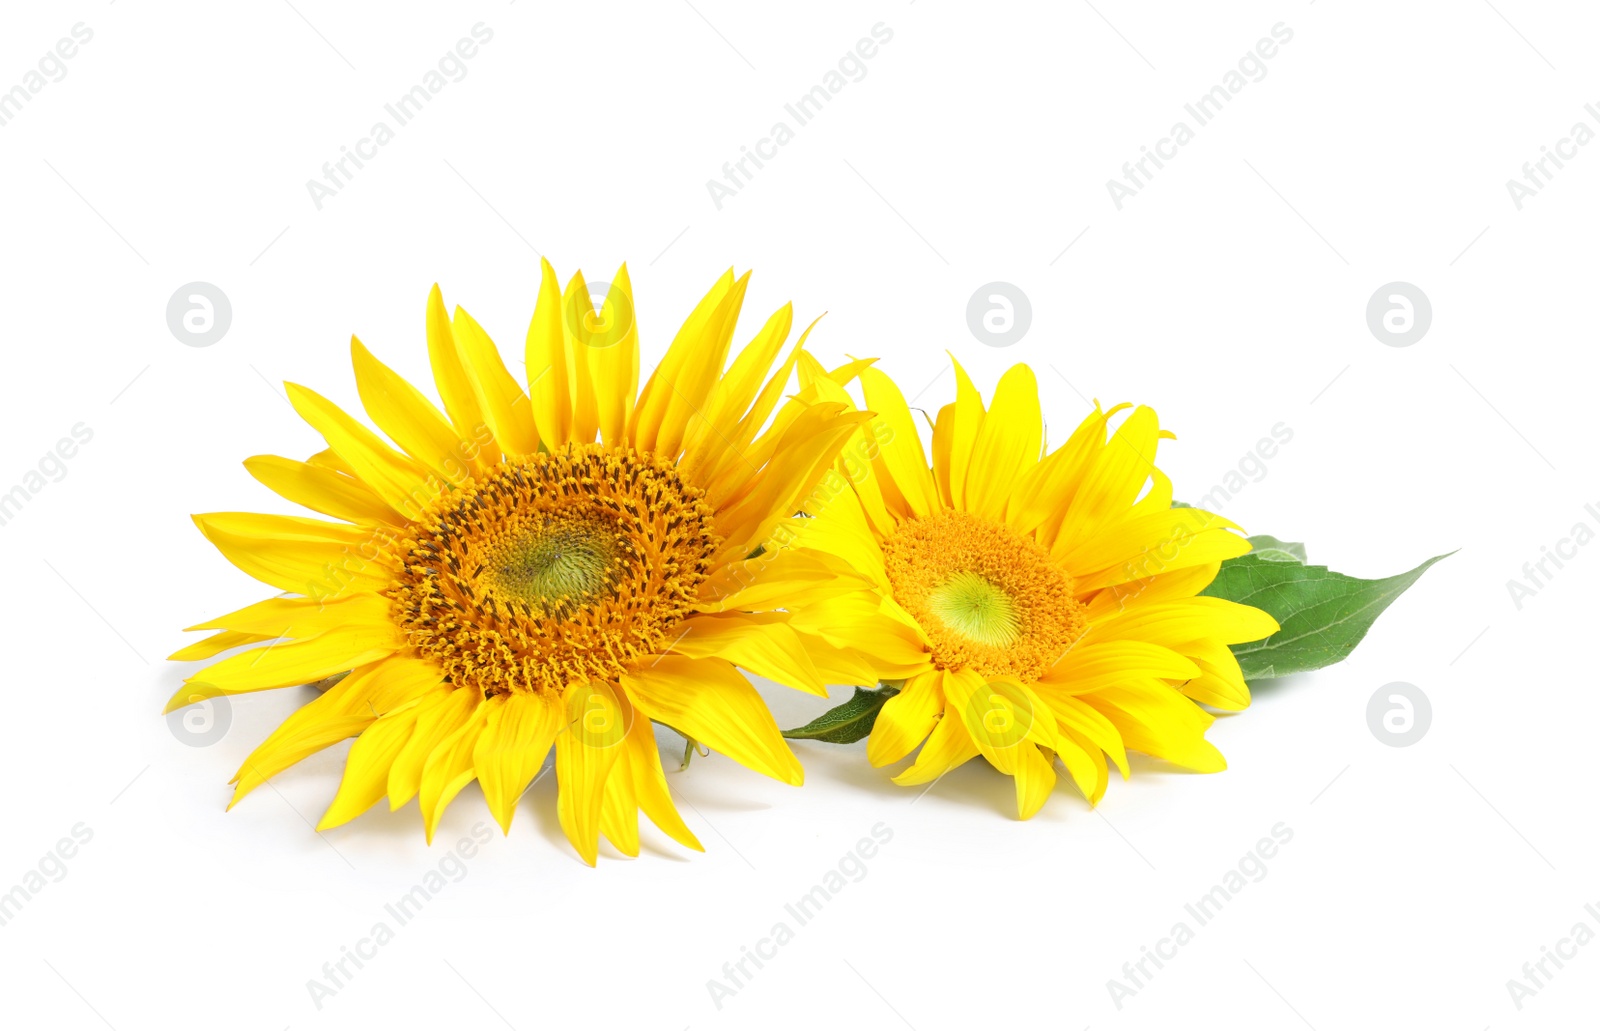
(518, 565)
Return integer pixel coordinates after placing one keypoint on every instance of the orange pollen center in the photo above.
(555, 569)
(989, 599)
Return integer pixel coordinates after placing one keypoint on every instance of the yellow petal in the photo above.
(519, 731)
(1035, 779)
(805, 453)
(1086, 662)
(1221, 683)
(410, 419)
(448, 769)
(1167, 554)
(611, 356)
(1172, 586)
(1044, 493)
(366, 769)
(762, 644)
(506, 409)
(586, 751)
(943, 440)
(549, 356)
(619, 810)
(1007, 444)
(733, 393)
(322, 490)
(1158, 721)
(1162, 540)
(301, 618)
(860, 621)
(906, 719)
(450, 375)
(216, 644)
(1086, 764)
(710, 701)
(947, 747)
(398, 682)
(406, 486)
(785, 578)
(325, 720)
(1113, 477)
(837, 527)
(1004, 719)
(901, 458)
(1077, 720)
(966, 420)
(285, 665)
(266, 526)
(650, 784)
(682, 382)
(1173, 623)
(316, 569)
(438, 719)
(726, 475)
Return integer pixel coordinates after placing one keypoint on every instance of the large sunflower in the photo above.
(1029, 606)
(557, 565)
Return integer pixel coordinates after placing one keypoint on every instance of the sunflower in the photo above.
(1028, 606)
(556, 565)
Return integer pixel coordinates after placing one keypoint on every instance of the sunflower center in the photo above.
(988, 599)
(976, 608)
(555, 569)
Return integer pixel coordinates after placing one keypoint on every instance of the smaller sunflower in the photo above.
(1031, 607)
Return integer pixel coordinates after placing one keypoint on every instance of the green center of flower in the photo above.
(977, 609)
(555, 568)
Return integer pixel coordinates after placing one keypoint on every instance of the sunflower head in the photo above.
(557, 564)
(1034, 606)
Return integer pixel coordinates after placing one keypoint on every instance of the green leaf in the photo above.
(1274, 550)
(1322, 615)
(846, 723)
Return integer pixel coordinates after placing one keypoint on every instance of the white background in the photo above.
(1230, 294)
